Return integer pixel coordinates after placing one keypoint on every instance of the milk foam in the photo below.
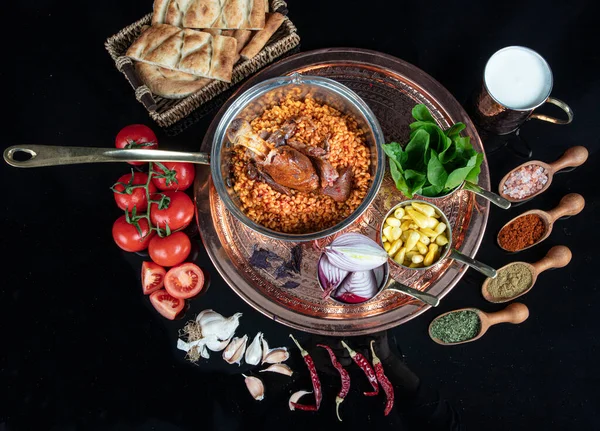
(518, 78)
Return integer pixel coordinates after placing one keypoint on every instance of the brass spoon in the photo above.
(573, 157)
(569, 205)
(557, 257)
(514, 313)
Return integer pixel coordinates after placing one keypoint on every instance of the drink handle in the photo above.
(562, 105)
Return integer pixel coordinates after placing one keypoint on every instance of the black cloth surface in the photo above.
(83, 348)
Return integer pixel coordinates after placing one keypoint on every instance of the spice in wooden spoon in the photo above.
(517, 278)
(534, 177)
(534, 226)
(465, 328)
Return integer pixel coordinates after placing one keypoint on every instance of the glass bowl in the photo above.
(253, 102)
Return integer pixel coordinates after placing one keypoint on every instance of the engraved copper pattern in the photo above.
(391, 88)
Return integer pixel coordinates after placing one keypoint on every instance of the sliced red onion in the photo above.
(330, 276)
(356, 257)
(351, 298)
(360, 283)
(354, 238)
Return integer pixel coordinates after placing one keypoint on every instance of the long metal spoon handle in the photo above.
(414, 293)
(486, 270)
(490, 196)
(47, 155)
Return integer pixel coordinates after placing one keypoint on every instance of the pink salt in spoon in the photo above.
(573, 157)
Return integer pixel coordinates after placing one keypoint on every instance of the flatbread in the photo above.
(260, 39)
(169, 84)
(186, 50)
(223, 14)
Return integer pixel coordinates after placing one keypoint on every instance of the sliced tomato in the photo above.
(184, 281)
(176, 209)
(153, 277)
(178, 176)
(167, 305)
(170, 250)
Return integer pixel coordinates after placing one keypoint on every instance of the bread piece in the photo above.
(242, 37)
(186, 50)
(223, 14)
(261, 38)
(169, 84)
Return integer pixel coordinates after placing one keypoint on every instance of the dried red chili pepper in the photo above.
(345, 380)
(314, 377)
(383, 381)
(364, 365)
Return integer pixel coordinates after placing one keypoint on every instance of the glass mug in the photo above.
(516, 81)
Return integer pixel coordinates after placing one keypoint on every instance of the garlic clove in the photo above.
(275, 356)
(265, 350)
(278, 368)
(203, 351)
(216, 345)
(222, 328)
(206, 316)
(254, 350)
(255, 387)
(234, 352)
(296, 397)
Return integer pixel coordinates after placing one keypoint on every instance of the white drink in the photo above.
(518, 78)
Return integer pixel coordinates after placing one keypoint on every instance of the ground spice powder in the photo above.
(456, 327)
(521, 233)
(510, 281)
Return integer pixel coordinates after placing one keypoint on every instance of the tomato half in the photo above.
(184, 281)
(127, 197)
(178, 213)
(170, 250)
(167, 305)
(136, 136)
(127, 236)
(179, 176)
(153, 277)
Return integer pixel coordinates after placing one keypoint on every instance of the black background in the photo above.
(82, 347)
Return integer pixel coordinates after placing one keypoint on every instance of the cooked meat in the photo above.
(251, 171)
(327, 173)
(280, 137)
(305, 149)
(340, 190)
(286, 166)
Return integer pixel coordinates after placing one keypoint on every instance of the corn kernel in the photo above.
(386, 246)
(421, 247)
(441, 240)
(399, 257)
(417, 258)
(387, 232)
(399, 213)
(424, 238)
(441, 227)
(405, 225)
(424, 209)
(415, 265)
(392, 221)
(429, 232)
(396, 232)
(412, 240)
(395, 247)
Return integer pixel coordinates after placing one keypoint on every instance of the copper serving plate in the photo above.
(391, 87)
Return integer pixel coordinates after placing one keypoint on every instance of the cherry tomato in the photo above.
(177, 215)
(165, 304)
(184, 281)
(179, 176)
(136, 136)
(170, 250)
(127, 197)
(153, 277)
(127, 236)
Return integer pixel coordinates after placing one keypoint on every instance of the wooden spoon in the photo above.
(569, 205)
(557, 257)
(573, 157)
(514, 313)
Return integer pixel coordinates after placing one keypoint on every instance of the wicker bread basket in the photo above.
(167, 112)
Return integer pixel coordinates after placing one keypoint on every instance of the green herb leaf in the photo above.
(398, 176)
(455, 130)
(473, 176)
(415, 181)
(456, 177)
(421, 113)
(416, 150)
(436, 174)
(431, 191)
(394, 152)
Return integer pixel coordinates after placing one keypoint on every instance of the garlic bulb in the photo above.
(214, 344)
(234, 352)
(214, 324)
(255, 387)
(254, 351)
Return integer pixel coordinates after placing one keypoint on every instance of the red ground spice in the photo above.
(522, 232)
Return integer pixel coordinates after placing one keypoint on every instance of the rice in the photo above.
(305, 212)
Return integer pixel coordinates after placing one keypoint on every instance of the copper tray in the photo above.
(391, 87)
